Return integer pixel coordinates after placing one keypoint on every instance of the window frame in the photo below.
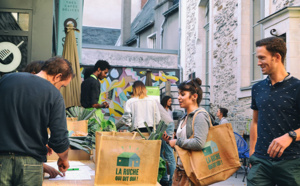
(151, 41)
(252, 50)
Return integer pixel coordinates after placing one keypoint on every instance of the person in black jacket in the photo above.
(29, 105)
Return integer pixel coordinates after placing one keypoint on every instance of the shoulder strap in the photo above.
(194, 117)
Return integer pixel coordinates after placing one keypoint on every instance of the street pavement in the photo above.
(232, 181)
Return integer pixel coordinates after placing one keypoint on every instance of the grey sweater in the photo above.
(201, 127)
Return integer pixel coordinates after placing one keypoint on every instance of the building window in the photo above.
(257, 34)
(151, 41)
(15, 39)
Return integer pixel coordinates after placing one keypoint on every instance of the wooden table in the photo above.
(89, 163)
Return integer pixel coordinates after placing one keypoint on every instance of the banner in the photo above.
(153, 92)
(69, 11)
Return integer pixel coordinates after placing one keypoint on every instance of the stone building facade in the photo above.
(218, 45)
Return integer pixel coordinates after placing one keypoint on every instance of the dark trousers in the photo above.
(269, 173)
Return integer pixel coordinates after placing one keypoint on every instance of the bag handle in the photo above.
(134, 135)
(194, 117)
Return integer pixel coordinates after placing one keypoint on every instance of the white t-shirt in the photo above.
(142, 110)
(181, 133)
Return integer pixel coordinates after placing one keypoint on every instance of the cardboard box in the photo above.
(77, 126)
(73, 155)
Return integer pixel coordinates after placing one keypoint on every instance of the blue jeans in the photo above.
(20, 170)
(166, 153)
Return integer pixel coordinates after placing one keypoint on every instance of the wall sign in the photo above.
(7, 49)
(70, 11)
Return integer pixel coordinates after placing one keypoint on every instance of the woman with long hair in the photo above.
(189, 97)
(138, 109)
(166, 102)
(166, 151)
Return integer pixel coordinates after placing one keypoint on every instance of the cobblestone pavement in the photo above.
(233, 181)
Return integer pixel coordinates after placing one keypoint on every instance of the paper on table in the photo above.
(71, 163)
(84, 172)
(74, 175)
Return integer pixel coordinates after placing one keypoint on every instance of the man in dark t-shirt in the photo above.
(275, 128)
(29, 104)
(90, 88)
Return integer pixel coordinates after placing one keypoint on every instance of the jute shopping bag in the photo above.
(217, 161)
(124, 161)
(127, 135)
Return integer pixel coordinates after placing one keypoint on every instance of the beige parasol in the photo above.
(71, 93)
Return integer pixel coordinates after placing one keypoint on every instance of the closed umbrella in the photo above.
(148, 78)
(71, 93)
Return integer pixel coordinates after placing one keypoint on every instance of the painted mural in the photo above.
(116, 87)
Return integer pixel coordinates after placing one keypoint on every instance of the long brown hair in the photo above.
(139, 90)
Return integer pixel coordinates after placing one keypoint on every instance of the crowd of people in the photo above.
(31, 102)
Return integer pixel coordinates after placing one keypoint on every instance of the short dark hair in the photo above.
(56, 65)
(274, 45)
(34, 67)
(165, 100)
(193, 86)
(102, 64)
(87, 72)
(224, 111)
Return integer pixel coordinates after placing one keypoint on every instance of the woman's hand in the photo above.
(166, 138)
(172, 143)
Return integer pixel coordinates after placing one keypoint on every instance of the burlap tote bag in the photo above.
(124, 161)
(217, 161)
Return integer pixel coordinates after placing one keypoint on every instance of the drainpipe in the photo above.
(179, 43)
(125, 21)
(162, 33)
(138, 42)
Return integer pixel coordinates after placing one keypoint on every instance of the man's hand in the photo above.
(278, 145)
(51, 171)
(50, 151)
(104, 105)
(63, 165)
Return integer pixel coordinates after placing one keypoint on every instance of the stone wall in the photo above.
(224, 57)
(279, 4)
(191, 37)
(224, 61)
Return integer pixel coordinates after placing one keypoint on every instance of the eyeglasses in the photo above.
(191, 82)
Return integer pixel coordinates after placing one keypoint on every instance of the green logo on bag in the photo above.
(213, 158)
(130, 160)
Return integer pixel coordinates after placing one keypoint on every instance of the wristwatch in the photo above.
(293, 135)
